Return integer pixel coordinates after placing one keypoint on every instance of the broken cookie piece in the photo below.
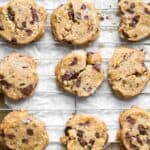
(135, 20)
(85, 132)
(80, 73)
(127, 73)
(22, 21)
(76, 22)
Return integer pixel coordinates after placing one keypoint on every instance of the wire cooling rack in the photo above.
(55, 107)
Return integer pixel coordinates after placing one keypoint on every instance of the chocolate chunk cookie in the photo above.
(22, 21)
(76, 22)
(84, 132)
(135, 129)
(127, 73)
(21, 131)
(135, 20)
(18, 76)
(80, 73)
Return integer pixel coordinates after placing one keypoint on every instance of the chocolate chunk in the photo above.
(77, 15)
(25, 141)
(71, 14)
(82, 142)
(30, 132)
(83, 6)
(97, 67)
(97, 135)
(90, 144)
(11, 136)
(35, 17)
(141, 129)
(27, 90)
(66, 130)
(147, 11)
(78, 83)
(11, 14)
(1, 26)
(125, 34)
(134, 21)
(29, 32)
(5, 84)
(86, 17)
(130, 120)
(89, 53)
(24, 24)
(69, 76)
(132, 5)
(130, 10)
(1, 77)
(139, 140)
(148, 140)
(14, 41)
(107, 17)
(2, 133)
(80, 133)
(74, 62)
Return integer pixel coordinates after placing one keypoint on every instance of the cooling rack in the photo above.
(55, 107)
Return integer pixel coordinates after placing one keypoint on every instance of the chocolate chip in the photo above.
(101, 18)
(69, 76)
(97, 67)
(5, 84)
(148, 140)
(74, 62)
(132, 5)
(139, 140)
(35, 17)
(80, 133)
(24, 67)
(30, 132)
(147, 11)
(29, 32)
(78, 83)
(130, 10)
(2, 133)
(71, 14)
(77, 15)
(27, 90)
(97, 135)
(1, 77)
(11, 136)
(24, 24)
(141, 129)
(134, 21)
(90, 144)
(66, 130)
(107, 17)
(83, 6)
(14, 41)
(130, 120)
(125, 34)
(11, 14)
(82, 142)
(86, 17)
(1, 26)
(25, 141)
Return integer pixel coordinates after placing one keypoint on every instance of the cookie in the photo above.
(135, 129)
(84, 132)
(76, 22)
(127, 73)
(135, 20)
(18, 76)
(80, 73)
(22, 21)
(22, 131)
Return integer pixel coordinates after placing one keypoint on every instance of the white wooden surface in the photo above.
(53, 106)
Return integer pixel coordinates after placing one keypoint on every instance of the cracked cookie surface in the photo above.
(18, 76)
(135, 20)
(76, 22)
(135, 129)
(22, 131)
(22, 21)
(84, 132)
(80, 73)
(127, 73)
